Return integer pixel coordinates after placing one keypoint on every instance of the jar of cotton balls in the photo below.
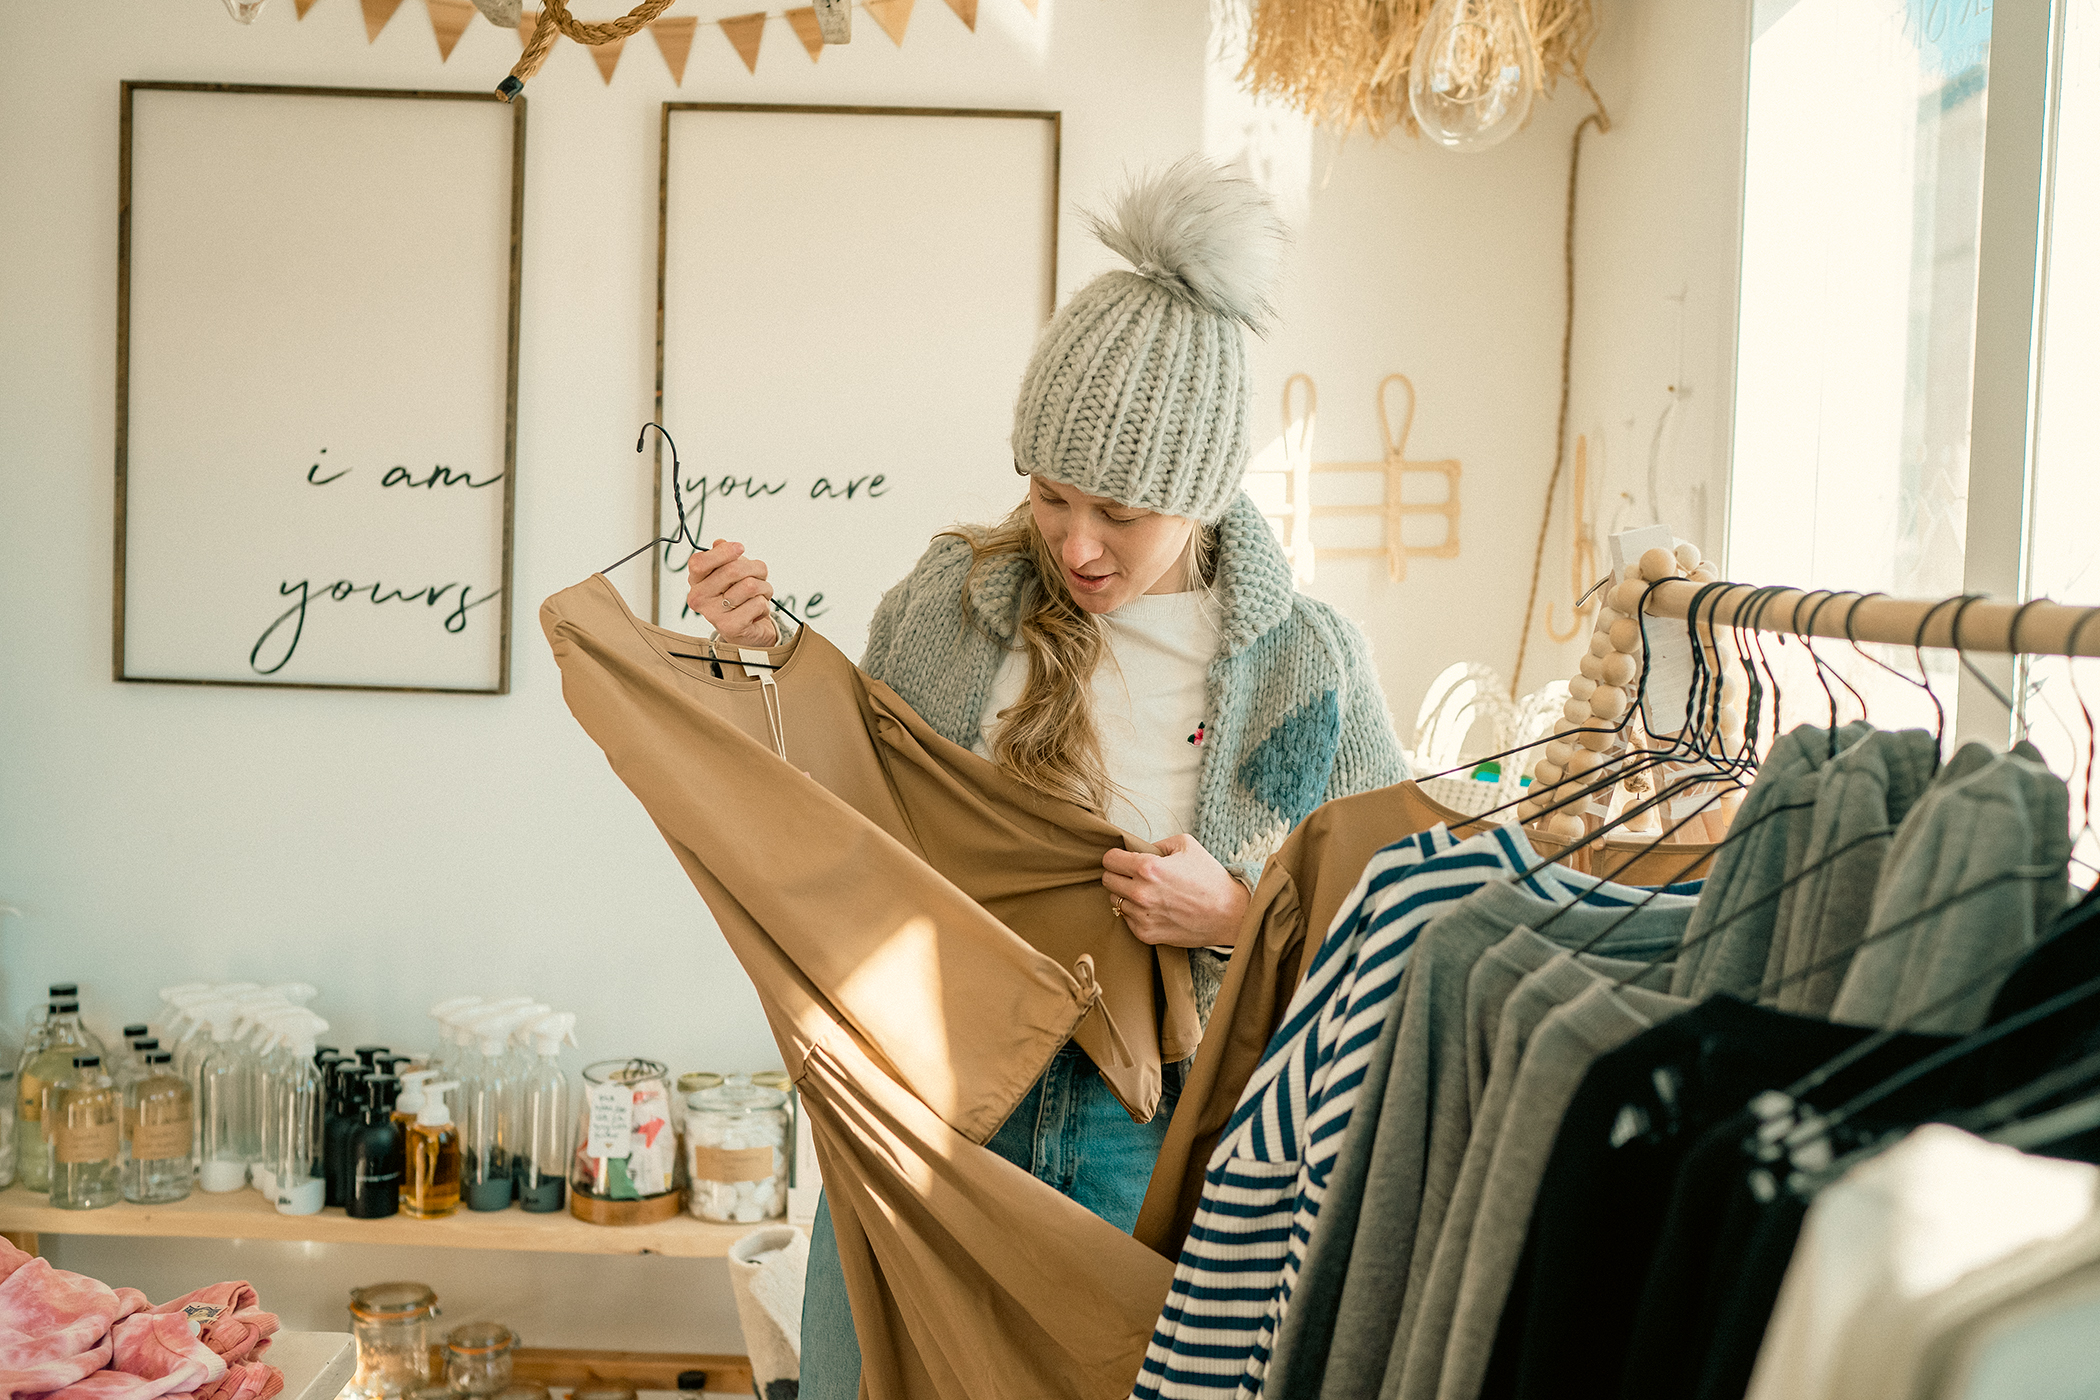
(736, 1151)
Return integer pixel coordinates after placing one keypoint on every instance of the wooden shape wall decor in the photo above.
(807, 29)
(674, 40)
(448, 20)
(1392, 510)
(377, 13)
(893, 16)
(744, 32)
(607, 57)
(1582, 550)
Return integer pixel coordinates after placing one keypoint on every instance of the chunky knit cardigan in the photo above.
(1295, 716)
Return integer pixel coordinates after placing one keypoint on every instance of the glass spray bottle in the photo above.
(541, 1162)
(225, 1115)
(294, 1113)
(486, 1128)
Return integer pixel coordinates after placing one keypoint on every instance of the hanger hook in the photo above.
(1917, 648)
(1954, 635)
(2092, 733)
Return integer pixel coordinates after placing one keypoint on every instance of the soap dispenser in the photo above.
(377, 1155)
(432, 1187)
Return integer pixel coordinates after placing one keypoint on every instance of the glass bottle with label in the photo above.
(83, 1112)
(160, 1115)
(63, 1038)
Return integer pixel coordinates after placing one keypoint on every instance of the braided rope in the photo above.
(1601, 120)
(555, 17)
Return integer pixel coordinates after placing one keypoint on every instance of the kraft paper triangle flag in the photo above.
(525, 27)
(377, 13)
(304, 5)
(966, 11)
(804, 23)
(449, 20)
(607, 57)
(1030, 4)
(744, 33)
(892, 15)
(674, 40)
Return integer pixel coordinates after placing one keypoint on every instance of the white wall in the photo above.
(397, 848)
(1656, 269)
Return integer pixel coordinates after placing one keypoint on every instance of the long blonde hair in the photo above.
(1048, 738)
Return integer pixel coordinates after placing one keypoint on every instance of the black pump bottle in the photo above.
(374, 1153)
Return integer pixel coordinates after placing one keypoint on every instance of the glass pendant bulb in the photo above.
(245, 10)
(1473, 73)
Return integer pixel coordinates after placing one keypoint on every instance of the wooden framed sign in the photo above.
(847, 297)
(317, 374)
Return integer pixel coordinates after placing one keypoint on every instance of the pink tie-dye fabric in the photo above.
(64, 1336)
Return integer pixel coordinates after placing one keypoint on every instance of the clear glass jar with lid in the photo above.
(478, 1357)
(392, 1324)
(736, 1152)
(626, 1165)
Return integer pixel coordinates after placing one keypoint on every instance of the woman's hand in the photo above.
(730, 591)
(1181, 897)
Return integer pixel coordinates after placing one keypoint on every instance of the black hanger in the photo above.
(687, 534)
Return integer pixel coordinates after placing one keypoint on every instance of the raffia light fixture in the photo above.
(1344, 63)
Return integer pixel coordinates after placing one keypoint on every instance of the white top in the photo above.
(1150, 694)
(1893, 1231)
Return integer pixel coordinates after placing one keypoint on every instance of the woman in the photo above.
(1129, 638)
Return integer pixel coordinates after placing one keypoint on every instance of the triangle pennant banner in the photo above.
(1030, 4)
(449, 20)
(892, 15)
(966, 11)
(607, 57)
(304, 5)
(674, 40)
(377, 13)
(525, 26)
(744, 33)
(804, 23)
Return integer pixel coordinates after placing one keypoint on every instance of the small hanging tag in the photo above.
(611, 1121)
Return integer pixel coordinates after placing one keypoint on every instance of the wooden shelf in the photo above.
(245, 1215)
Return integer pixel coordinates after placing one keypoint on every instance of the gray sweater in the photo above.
(1295, 714)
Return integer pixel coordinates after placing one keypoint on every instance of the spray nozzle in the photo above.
(493, 1028)
(550, 1033)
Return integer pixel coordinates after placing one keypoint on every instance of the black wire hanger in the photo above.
(687, 533)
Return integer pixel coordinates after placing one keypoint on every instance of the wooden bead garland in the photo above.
(1598, 730)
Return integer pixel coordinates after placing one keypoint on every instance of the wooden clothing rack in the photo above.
(2038, 628)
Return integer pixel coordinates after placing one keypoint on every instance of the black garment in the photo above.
(1606, 1191)
(2068, 958)
(1724, 1246)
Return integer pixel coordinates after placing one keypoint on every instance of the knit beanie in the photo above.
(1137, 389)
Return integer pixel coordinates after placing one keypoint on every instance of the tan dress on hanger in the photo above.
(924, 933)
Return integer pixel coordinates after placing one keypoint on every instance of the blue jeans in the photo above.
(1069, 1131)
